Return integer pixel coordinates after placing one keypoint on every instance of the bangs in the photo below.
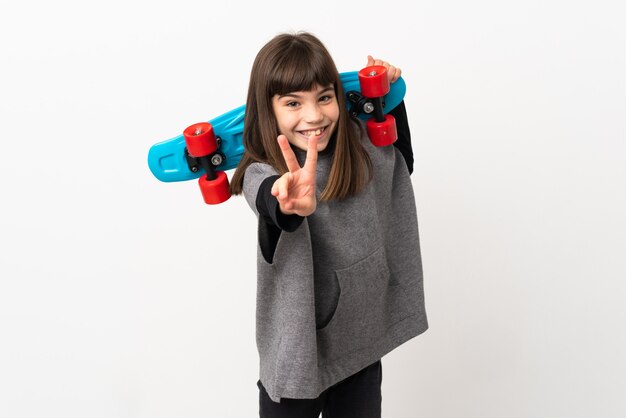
(301, 69)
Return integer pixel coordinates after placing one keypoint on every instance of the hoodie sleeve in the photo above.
(403, 144)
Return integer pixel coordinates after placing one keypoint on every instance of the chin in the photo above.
(322, 147)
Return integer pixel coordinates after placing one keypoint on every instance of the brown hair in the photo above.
(289, 63)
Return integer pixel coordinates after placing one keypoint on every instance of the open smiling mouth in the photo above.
(313, 132)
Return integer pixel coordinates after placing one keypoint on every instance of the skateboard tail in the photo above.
(167, 163)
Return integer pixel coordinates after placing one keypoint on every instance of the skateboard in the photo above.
(206, 150)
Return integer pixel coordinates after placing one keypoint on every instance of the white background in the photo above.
(121, 296)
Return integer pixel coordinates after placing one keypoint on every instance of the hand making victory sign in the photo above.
(295, 190)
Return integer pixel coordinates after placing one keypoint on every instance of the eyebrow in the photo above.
(297, 96)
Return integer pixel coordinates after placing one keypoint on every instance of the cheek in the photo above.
(335, 113)
(282, 120)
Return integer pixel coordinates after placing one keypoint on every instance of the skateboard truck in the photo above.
(360, 104)
(374, 86)
(202, 152)
(194, 163)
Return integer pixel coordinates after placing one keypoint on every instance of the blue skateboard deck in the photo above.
(168, 161)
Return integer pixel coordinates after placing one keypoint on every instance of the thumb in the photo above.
(370, 61)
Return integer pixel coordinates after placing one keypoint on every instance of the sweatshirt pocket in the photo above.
(368, 305)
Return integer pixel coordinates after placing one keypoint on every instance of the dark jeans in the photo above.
(357, 396)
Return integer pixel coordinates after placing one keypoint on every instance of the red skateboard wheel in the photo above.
(382, 133)
(200, 139)
(214, 191)
(374, 81)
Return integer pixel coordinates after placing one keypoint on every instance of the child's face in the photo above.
(302, 115)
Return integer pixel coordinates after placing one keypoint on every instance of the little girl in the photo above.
(339, 268)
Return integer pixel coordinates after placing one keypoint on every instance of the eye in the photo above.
(326, 98)
(292, 104)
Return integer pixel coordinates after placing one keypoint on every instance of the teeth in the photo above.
(316, 132)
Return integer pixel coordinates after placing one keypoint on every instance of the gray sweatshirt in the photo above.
(345, 288)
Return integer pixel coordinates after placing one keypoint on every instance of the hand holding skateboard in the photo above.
(393, 73)
(375, 80)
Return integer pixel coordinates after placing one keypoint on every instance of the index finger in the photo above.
(290, 157)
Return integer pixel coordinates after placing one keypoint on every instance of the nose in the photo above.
(313, 113)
